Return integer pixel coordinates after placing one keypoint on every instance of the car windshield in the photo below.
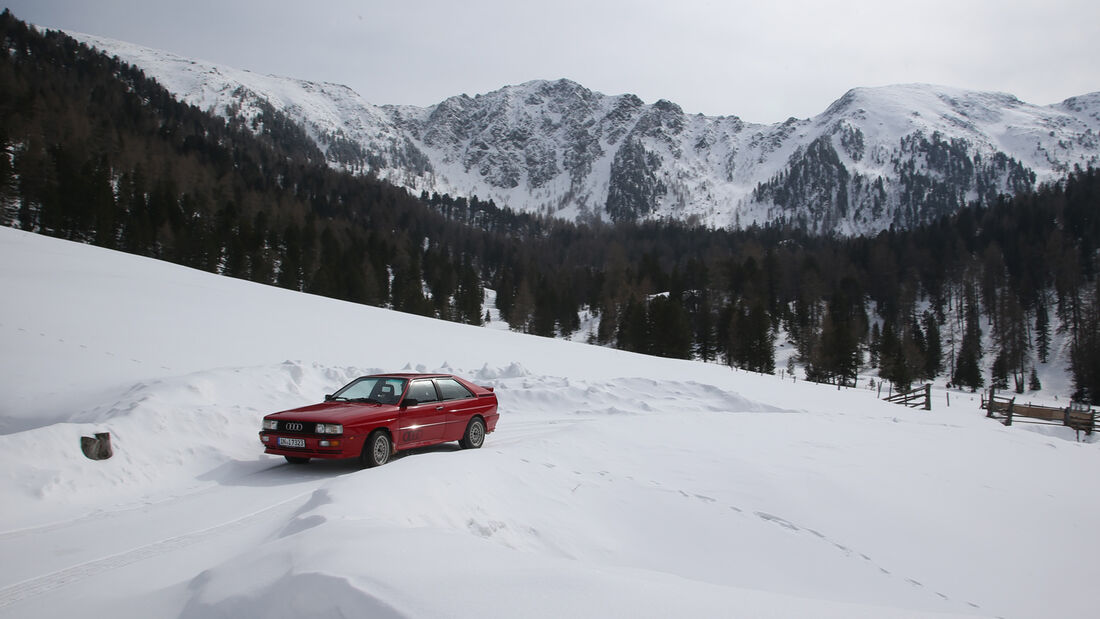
(376, 389)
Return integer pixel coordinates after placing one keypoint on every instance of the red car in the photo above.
(374, 417)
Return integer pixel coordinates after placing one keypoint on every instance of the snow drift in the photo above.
(615, 485)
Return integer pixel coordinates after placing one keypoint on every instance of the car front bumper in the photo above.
(311, 446)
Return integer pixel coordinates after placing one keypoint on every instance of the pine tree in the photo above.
(998, 372)
(874, 344)
(1042, 333)
(706, 346)
(933, 354)
(669, 328)
(633, 332)
(752, 343)
(968, 372)
(523, 308)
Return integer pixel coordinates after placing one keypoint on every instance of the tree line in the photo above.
(94, 151)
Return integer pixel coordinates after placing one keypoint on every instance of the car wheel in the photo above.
(377, 449)
(296, 460)
(475, 434)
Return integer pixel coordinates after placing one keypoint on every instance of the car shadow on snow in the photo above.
(276, 471)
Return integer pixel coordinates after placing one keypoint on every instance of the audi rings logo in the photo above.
(294, 427)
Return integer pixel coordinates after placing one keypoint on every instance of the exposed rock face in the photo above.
(877, 157)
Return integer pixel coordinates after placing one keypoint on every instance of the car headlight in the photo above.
(271, 424)
(330, 428)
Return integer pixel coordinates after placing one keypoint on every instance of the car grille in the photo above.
(296, 427)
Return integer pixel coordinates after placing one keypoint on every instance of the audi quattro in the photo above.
(373, 417)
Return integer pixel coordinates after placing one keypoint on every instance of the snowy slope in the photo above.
(896, 155)
(616, 485)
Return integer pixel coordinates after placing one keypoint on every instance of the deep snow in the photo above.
(616, 485)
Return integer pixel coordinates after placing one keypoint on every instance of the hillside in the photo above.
(93, 150)
(877, 157)
(616, 484)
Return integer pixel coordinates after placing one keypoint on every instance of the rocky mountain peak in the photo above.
(876, 157)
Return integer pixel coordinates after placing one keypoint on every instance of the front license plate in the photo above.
(292, 442)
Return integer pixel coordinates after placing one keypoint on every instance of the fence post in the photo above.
(1008, 414)
(928, 396)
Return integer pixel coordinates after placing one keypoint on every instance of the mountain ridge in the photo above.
(876, 157)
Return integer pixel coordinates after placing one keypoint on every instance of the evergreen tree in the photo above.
(998, 372)
(873, 345)
(633, 332)
(968, 371)
(1085, 351)
(752, 342)
(933, 355)
(706, 346)
(1042, 333)
(669, 327)
(523, 308)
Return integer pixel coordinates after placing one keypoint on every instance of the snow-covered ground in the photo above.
(616, 485)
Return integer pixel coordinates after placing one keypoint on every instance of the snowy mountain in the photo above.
(616, 485)
(897, 155)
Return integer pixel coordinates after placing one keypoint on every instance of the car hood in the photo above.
(336, 412)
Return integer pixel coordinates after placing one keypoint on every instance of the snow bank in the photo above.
(615, 485)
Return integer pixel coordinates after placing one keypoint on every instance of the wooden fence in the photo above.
(921, 397)
(1079, 417)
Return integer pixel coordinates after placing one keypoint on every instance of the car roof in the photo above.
(409, 375)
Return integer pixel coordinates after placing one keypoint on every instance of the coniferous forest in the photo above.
(93, 151)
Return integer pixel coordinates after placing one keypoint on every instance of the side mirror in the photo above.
(409, 402)
(328, 397)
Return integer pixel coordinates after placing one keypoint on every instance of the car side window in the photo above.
(422, 391)
(388, 390)
(452, 389)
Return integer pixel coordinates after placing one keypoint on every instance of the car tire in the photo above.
(377, 450)
(475, 434)
(296, 460)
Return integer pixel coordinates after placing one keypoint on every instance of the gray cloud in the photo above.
(761, 61)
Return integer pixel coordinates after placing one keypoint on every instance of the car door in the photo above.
(459, 405)
(423, 422)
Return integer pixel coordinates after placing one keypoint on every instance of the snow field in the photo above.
(615, 486)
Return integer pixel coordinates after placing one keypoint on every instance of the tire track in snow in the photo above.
(39, 585)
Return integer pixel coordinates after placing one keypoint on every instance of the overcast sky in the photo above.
(761, 60)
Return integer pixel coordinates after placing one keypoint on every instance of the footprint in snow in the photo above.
(777, 520)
